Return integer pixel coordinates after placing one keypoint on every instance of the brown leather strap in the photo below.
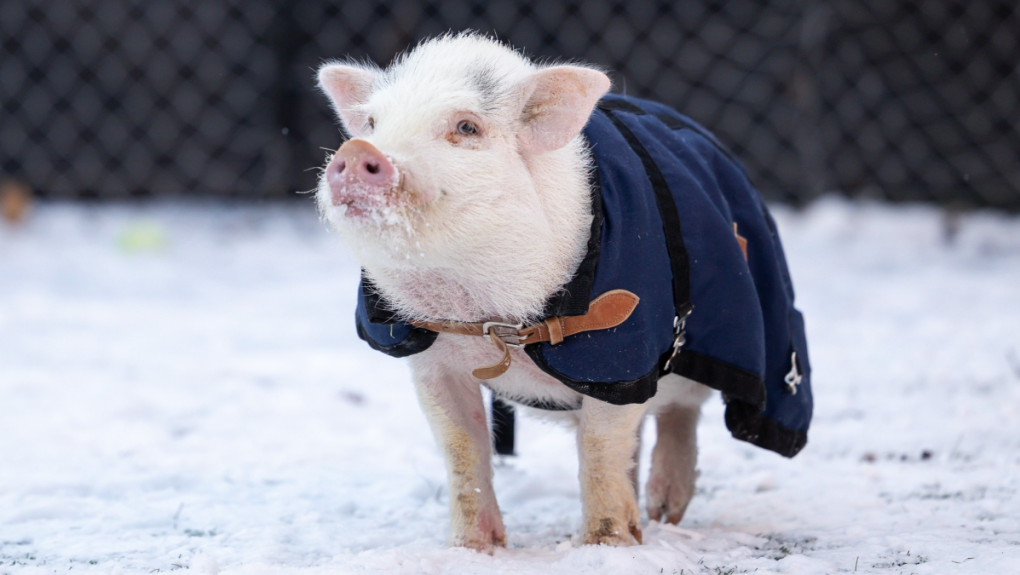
(454, 327)
(608, 310)
(497, 369)
(740, 240)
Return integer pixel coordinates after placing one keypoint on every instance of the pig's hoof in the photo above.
(669, 490)
(615, 533)
(482, 542)
(475, 523)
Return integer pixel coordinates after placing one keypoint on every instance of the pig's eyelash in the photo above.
(370, 124)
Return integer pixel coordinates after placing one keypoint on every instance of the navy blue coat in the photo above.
(665, 198)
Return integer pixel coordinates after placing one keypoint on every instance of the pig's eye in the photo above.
(370, 123)
(467, 128)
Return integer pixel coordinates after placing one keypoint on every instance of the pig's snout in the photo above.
(359, 174)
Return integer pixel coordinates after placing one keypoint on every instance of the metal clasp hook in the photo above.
(794, 377)
(679, 337)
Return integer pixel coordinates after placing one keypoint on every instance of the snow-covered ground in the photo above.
(181, 387)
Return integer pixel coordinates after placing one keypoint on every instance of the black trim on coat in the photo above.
(637, 390)
(746, 423)
(679, 261)
(671, 122)
(736, 383)
(378, 309)
(674, 123)
(619, 104)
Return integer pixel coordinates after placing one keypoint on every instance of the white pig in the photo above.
(464, 195)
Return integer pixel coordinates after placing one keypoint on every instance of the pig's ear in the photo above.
(558, 102)
(347, 88)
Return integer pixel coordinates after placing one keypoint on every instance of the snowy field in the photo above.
(181, 387)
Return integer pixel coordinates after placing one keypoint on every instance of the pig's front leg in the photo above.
(607, 440)
(455, 410)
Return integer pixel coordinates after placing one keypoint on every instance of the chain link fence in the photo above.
(898, 100)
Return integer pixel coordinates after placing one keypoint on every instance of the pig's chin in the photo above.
(388, 231)
(372, 216)
(391, 210)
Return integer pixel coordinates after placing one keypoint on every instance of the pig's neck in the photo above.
(508, 280)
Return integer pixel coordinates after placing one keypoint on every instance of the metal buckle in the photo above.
(793, 378)
(508, 332)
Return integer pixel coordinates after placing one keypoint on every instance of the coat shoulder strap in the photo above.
(679, 260)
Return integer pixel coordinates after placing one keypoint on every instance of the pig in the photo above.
(464, 193)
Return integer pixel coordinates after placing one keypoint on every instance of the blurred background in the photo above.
(906, 101)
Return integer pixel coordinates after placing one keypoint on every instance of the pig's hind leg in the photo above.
(674, 459)
(454, 408)
(607, 440)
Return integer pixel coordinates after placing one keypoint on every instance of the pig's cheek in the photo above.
(426, 197)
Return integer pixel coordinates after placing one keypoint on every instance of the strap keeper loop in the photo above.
(555, 327)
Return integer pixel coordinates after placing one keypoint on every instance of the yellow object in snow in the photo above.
(142, 236)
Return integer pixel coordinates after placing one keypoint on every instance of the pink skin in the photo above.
(360, 177)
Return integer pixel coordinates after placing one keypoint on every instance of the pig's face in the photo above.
(460, 143)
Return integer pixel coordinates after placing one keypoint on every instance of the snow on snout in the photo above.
(346, 197)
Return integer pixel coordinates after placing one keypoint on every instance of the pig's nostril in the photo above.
(372, 167)
(340, 166)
